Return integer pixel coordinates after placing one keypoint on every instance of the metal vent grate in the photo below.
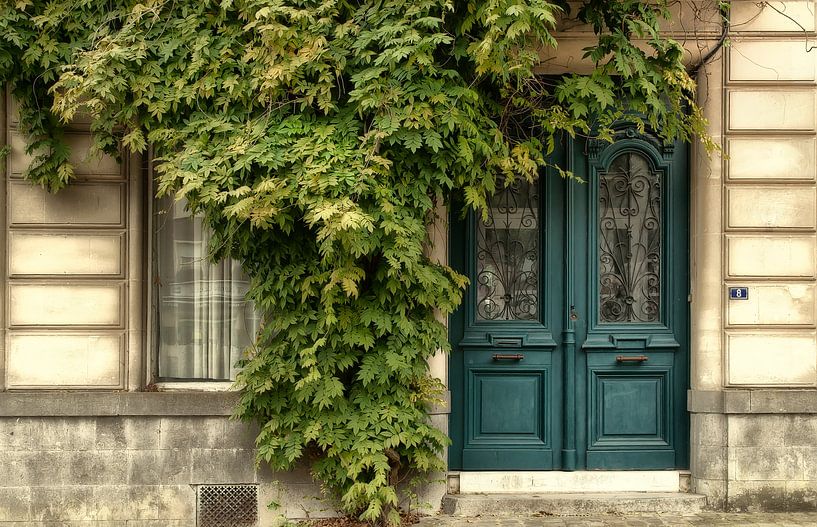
(227, 506)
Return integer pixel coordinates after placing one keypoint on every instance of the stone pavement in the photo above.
(702, 519)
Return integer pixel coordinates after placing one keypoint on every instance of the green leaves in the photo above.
(317, 139)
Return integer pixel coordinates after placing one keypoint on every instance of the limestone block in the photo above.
(84, 164)
(177, 502)
(125, 502)
(120, 433)
(298, 501)
(764, 464)
(238, 434)
(770, 60)
(154, 467)
(772, 158)
(801, 431)
(770, 256)
(749, 15)
(773, 304)
(103, 467)
(757, 430)
(15, 503)
(62, 503)
(215, 466)
(192, 432)
(756, 496)
(15, 434)
(78, 204)
(33, 253)
(708, 430)
(771, 110)
(715, 491)
(810, 464)
(791, 207)
(801, 496)
(66, 305)
(69, 359)
(62, 433)
(708, 462)
(15, 468)
(771, 358)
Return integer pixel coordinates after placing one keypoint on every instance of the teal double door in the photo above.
(570, 350)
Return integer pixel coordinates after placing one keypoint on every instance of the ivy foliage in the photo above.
(317, 138)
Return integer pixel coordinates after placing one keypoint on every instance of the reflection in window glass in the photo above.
(204, 322)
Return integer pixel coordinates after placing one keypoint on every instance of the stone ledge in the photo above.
(95, 404)
(754, 401)
(92, 404)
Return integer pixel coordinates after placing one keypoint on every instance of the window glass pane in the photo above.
(629, 241)
(507, 277)
(204, 322)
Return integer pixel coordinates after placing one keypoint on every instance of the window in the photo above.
(203, 322)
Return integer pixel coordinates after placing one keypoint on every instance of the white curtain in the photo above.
(204, 322)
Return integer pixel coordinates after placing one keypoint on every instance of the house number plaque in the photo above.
(738, 293)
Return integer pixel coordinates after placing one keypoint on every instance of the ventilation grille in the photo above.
(227, 506)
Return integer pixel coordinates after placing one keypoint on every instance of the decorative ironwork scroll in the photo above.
(630, 241)
(507, 263)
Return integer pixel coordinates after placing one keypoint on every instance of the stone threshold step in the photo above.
(571, 504)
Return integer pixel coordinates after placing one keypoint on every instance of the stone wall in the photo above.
(83, 459)
(754, 225)
(106, 469)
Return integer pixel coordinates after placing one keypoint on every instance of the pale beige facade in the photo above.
(81, 441)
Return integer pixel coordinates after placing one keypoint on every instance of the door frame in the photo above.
(560, 330)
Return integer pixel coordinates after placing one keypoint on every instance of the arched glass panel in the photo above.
(507, 273)
(630, 241)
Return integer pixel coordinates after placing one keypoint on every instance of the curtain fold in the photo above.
(204, 321)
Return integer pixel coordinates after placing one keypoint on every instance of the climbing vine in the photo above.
(316, 138)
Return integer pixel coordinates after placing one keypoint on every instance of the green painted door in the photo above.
(570, 350)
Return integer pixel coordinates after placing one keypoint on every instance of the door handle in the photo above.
(509, 356)
(638, 358)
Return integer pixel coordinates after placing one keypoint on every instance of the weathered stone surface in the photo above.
(709, 462)
(119, 433)
(154, 467)
(192, 432)
(764, 464)
(708, 429)
(222, 466)
(149, 404)
(177, 502)
(15, 503)
(66, 502)
(755, 496)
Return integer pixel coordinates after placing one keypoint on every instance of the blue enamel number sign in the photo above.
(738, 293)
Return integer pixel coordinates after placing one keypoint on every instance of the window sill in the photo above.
(195, 386)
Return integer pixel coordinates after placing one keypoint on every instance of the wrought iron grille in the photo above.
(507, 273)
(630, 241)
(227, 506)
